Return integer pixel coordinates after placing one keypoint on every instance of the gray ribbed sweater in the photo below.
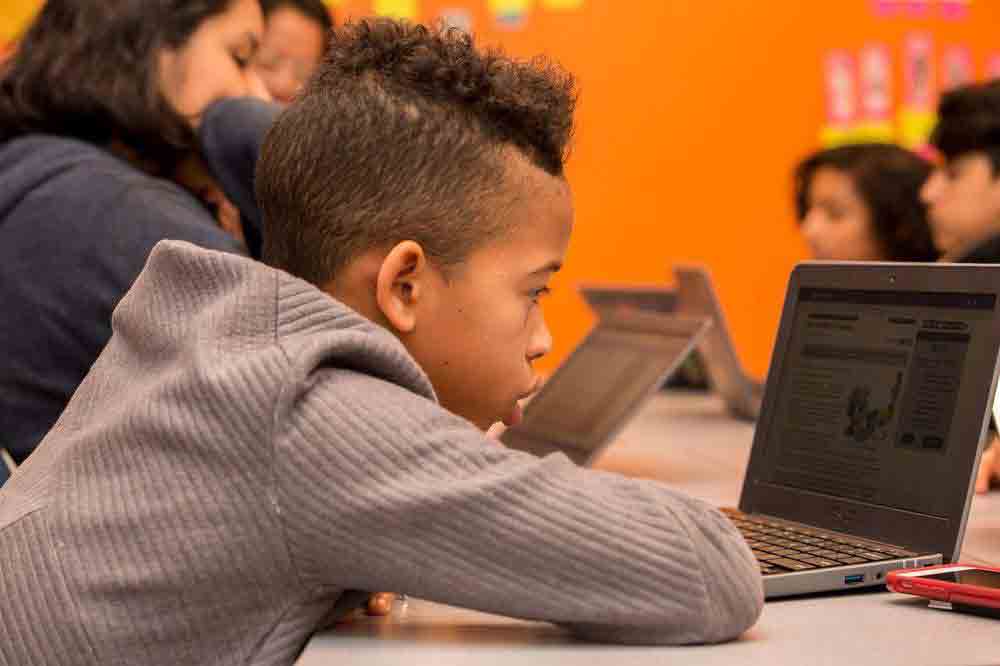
(246, 449)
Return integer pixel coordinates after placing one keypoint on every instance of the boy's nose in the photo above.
(541, 342)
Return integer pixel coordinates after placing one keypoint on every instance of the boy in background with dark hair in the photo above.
(963, 195)
(415, 196)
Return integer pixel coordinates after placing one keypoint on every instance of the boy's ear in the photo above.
(401, 283)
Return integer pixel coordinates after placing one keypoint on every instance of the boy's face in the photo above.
(479, 328)
(963, 199)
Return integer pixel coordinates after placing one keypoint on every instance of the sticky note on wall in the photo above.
(400, 9)
(956, 67)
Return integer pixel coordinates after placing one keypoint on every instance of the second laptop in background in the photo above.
(694, 296)
(592, 395)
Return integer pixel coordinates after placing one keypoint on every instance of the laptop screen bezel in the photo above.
(915, 531)
(608, 299)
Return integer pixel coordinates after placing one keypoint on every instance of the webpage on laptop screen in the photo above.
(869, 393)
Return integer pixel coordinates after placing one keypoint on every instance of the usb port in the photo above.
(856, 578)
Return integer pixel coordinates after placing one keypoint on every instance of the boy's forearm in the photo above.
(450, 517)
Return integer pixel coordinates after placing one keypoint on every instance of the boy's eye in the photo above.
(537, 294)
(243, 54)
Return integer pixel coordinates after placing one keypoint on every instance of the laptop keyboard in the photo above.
(782, 547)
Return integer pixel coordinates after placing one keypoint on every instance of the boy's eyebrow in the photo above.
(551, 267)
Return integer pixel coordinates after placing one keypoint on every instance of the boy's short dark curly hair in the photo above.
(969, 121)
(405, 133)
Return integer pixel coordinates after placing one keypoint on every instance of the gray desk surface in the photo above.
(688, 442)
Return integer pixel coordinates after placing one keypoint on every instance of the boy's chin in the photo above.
(515, 416)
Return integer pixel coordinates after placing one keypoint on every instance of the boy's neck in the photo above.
(355, 288)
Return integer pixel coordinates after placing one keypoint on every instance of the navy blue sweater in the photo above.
(76, 227)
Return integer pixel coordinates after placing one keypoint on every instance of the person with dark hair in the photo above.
(963, 193)
(862, 203)
(99, 107)
(963, 196)
(415, 200)
(295, 36)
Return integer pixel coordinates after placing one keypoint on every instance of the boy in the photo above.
(963, 195)
(248, 449)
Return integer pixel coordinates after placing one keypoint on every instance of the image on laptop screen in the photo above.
(868, 393)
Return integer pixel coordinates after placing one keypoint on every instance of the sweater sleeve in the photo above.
(381, 489)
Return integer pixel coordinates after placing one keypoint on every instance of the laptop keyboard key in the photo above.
(819, 561)
(898, 552)
(833, 555)
(793, 565)
(786, 552)
(872, 557)
(850, 559)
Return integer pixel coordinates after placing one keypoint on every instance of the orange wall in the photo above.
(692, 116)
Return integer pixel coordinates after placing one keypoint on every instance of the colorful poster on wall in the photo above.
(400, 9)
(510, 13)
(916, 117)
(875, 94)
(956, 67)
(840, 81)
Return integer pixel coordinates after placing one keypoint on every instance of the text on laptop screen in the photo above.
(868, 394)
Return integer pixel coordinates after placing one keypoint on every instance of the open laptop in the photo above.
(607, 299)
(693, 297)
(696, 297)
(873, 422)
(591, 396)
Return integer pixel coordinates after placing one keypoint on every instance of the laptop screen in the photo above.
(599, 386)
(865, 407)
